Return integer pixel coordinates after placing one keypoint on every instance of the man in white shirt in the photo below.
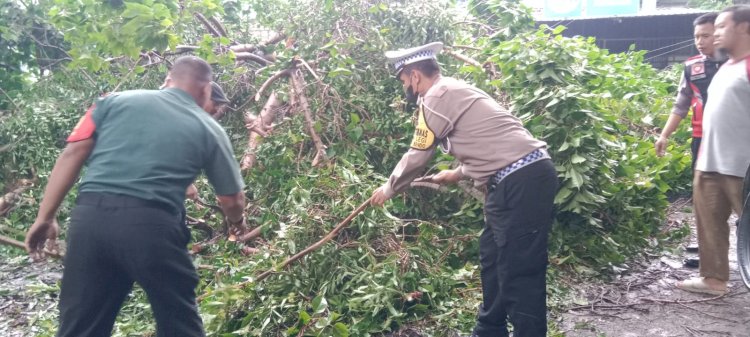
(724, 154)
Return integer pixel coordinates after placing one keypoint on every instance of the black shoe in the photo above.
(692, 248)
(691, 262)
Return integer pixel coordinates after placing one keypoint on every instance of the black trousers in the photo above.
(513, 253)
(695, 145)
(114, 241)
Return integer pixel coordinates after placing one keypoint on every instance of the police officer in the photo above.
(142, 149)
(498, 153)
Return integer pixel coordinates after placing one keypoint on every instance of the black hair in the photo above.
(705, 18)
(192, 69)
(428, 67)
(740, 13)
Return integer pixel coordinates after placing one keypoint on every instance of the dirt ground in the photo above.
(28, 291)
(645, 303)
(642, 302)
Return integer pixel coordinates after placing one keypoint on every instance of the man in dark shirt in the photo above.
(693, 90)
(693, 93)
(142, 148)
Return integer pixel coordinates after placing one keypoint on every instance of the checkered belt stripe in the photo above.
(530, 158)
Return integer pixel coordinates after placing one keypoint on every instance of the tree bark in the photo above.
(300, 101)
(208, 25)
(263, 123)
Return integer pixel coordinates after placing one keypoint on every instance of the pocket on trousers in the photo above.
(528, 251)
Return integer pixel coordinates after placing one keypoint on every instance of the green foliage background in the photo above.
(413, 263)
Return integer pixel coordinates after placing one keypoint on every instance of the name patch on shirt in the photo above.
(424, 138)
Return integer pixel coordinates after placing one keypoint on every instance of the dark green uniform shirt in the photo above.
(151, 144)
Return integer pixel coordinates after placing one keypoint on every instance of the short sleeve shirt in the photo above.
(151, 144)
(725, 147)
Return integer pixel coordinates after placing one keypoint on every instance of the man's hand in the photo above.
(192, 192)
(447, 176)
(378, 197)
(237, 229)
(38, 236)
(661, 146)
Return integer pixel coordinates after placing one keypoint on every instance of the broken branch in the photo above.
(219, 27)
(244, 56)
(18, 244)
(300, 100)
(9, 200)
(299, 255)
(208, 25)
(318, 244)
(253, 47)
(270, 80)
(263, 122)
(462, 58)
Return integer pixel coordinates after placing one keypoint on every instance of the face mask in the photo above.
(411, 96)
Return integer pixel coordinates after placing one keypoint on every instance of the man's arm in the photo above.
(233, 206)
(679, 112)
(63, 176)
(669, 128)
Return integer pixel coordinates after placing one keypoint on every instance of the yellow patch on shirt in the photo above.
(423, 136)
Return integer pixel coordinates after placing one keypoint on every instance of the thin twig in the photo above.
(312, 72)
(10, 99)
(128, 75)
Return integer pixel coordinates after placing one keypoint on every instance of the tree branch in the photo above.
(253, 47)
(219, 27)
(255, 138)
(462, 58)
(208, 25)
(251, 56)
(298, 89)
(9, 100)
(270, 80)
(18, 244)
(318, 244)
(299, 255)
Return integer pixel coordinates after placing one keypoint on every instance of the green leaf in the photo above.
(576, 159)
(576, 178)
(304, 317)
(340, 330)
(319, 304)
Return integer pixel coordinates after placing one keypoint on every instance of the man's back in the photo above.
(152, 144)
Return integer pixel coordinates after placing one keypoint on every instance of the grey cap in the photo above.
(400, 58)
(217, 94)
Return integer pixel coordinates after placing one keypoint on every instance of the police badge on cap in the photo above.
(400, 58)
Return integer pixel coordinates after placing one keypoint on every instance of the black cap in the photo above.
(217, 94)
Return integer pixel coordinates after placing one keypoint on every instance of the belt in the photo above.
(121, 200)
(532, 157)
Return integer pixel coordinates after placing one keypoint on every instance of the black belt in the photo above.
(121, 200)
